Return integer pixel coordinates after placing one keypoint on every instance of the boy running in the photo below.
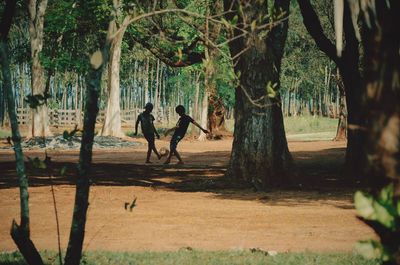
(180, 131)
(146, 120)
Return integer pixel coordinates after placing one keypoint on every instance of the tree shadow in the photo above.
(318, 178)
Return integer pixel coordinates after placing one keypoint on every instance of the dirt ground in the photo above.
(190, 205)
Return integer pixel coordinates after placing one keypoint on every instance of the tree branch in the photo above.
(313, 26)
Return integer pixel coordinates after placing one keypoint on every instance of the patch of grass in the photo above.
(4, 133)
(301, 124)
(195, 257)
(309, 124)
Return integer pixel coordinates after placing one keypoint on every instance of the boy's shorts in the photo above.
(174, 142)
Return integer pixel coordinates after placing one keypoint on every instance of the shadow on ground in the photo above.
(318, 172)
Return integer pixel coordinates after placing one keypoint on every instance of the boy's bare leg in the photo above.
(148, 154)
(169, 158)
(156, 152)
(179, 158)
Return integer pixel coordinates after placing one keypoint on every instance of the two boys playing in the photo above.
(146, 120)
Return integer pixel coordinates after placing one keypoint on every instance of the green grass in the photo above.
(4, 133)
(302, 124)
(309, 124)
(195, 257)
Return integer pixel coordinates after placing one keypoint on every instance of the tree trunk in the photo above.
(112, 120)
(341, 132)
(216, 109)
(381, 94)
(77, 232)
(260, 152)
(19, 233)
(196, 98)
(204, 116)
(39, 124)
(348, 66)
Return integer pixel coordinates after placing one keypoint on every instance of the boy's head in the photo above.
(180, 110)
(148, 107)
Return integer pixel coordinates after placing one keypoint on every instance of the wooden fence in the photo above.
(67, 117)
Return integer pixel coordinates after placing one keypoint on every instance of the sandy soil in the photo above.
(189, 205)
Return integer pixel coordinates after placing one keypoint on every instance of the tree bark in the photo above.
(112, 120)
(19, 233)
(77, 233)
(81, 204)
(260, 153)
(381, 94)
(39, 126)
(204, 115)
(341, 132)
(196, 98)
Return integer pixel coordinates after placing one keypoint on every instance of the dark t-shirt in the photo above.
(182, 125)
(146, 122)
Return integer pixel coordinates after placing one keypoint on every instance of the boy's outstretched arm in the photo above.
(136, 126)
(199, 126)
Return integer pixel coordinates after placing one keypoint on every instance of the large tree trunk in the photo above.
(112, 119)
(39, 124)
(260, 152)
(382, 96)
(380, 106)
(19, 233)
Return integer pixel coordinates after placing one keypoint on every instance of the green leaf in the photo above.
(226, 23)
(271, 92)
(253, 25)
(235, 20)
(372, 250)
(383, 215)
(398, 208)
(364, 205)
(386, 194)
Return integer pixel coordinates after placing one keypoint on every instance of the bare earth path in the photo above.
(190, 205)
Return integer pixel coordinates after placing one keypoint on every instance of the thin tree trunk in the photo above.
(157, 91)
(112, 120)
(19, 233)
(39, 123)
(77, 232)
(204, 116)
(146, 82)
(196, 98)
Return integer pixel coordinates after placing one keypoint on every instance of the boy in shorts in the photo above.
(146, 120)
(179, 132)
